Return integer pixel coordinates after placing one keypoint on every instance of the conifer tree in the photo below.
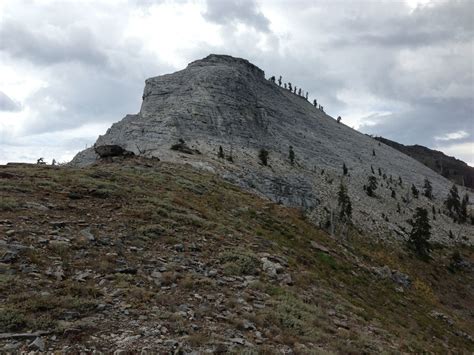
(291, 155)
(428, 189)
(344, 202)
(414, 191)
(344, 169)
(372, 186)
(221, 152)
(420, 234)
(463, 209)
(263, 156)
(452, 202)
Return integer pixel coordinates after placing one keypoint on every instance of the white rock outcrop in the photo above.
(221, 101)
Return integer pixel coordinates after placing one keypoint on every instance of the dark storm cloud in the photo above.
(7, 104)
(49, 47)
(236, 11)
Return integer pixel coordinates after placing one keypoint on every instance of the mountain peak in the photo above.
(223, 59)
(221, 115)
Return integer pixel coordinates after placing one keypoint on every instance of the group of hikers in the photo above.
(298, 92)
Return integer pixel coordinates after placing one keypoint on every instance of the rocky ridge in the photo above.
(221, 101)
(137, 255)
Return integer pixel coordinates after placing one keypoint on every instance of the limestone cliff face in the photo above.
(221, 101)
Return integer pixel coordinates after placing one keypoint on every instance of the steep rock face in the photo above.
(221, 101)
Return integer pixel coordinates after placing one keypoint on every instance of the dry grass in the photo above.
(138, 214)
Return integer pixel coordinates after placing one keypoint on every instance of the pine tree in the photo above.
(263, 156)
(221, 152)
(394, 194)
(414, 191)
(344, 202)
(452, 202)
(463, 209)
(291, 155)
(380, 172)
(428, 189)
(344, 169)
(420, 234)
(372, 186)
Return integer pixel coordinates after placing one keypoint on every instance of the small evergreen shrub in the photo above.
(372, 186)
(428, 189)
(291, 155)
(220, 154)
(263, 156)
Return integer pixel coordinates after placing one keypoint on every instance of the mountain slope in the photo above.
(221, 101)
(450, 167)
(144, 255)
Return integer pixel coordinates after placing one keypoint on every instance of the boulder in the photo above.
(111, 150)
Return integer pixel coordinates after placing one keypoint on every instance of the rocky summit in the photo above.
(221, 114)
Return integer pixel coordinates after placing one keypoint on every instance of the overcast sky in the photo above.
(402, 69)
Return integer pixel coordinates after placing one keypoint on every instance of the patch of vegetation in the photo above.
(239, 262)
(263, 156)
(291, 155)
(9, 204)
(371, 186)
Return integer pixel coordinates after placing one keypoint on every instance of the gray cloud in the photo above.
(7, 104)
(236, 11)
(362, 58)
(59, 45)
(425, 26)
(425, 121)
